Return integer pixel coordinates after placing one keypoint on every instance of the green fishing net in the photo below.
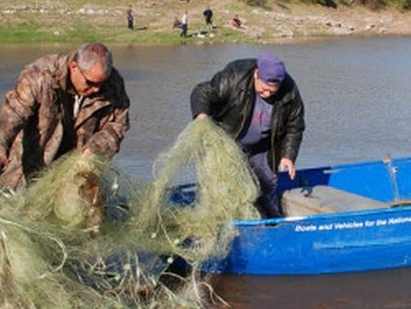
(87, 235)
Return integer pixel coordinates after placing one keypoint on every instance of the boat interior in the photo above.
(322, 199)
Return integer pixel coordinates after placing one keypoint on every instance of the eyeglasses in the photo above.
(90, 83)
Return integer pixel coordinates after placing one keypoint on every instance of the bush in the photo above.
(375, 4)
(259, 3)
(402, 4)
(328, 3)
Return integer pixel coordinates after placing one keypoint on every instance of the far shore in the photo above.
(59, 22)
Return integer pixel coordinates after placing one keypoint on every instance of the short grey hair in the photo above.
(89, 54)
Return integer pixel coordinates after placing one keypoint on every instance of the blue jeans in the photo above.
(268, 202)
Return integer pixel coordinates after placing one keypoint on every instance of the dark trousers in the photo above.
(183, 30)
(267, 203)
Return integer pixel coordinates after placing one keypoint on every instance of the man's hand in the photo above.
(287, 164)
(84, 161)
(86, 153)
(202, 116)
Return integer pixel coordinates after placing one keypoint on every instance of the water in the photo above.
(373, 290)
(355, 92)
(357, 95)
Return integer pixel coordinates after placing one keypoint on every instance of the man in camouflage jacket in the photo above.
(60, 103)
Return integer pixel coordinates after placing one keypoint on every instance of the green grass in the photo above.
(58, 26)
(35, 33)
(31, 32)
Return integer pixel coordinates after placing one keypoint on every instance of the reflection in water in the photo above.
(357, 98)
(374, 290)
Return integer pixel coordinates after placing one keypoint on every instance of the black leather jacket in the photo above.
(229, 99)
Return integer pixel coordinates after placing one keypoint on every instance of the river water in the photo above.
(357, 95)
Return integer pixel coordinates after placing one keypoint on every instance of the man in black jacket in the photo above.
(208, 15)
(258, 103)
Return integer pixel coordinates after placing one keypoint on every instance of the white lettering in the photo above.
(399, 220)
(325, 227)
(381, 222)
(305, 228)
(352, 224)
(348, 225)
(369, 223)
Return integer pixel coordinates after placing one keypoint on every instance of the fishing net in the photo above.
(85, 235)
(225, 191)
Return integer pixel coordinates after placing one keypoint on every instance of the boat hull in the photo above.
(350, 242)
(344, 241)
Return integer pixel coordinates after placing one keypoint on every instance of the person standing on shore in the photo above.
(258, 103)
(184, 25)
(130, 17)
(60, 103)
(208, 15)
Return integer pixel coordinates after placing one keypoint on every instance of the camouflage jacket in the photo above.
(37, 124)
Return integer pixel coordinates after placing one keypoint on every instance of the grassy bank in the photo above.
(79, 21)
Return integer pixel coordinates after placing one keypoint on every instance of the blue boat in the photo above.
(343, 218)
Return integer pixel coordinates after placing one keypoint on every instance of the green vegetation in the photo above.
(372, 4)
(382, 4)
(34, 33)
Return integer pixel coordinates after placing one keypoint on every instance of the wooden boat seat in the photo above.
(324, 199)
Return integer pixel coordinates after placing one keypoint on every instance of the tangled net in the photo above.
(84, 235)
